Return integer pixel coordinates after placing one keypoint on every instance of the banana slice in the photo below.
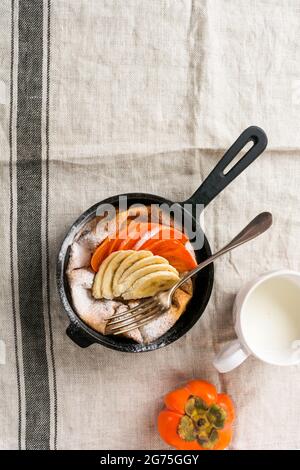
(107, 279)
(97, 285)
(126, 263)
(151, 284)
(142, 263)
(127, 281)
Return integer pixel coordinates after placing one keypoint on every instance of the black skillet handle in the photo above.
(217, 180)
(79, 338)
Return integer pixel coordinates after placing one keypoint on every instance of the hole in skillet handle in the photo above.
(219, 178)
(238, 157)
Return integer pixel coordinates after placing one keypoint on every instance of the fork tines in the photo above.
(133, 318)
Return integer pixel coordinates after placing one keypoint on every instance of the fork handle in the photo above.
(256, 227)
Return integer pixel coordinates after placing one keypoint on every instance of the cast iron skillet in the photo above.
(216, 181)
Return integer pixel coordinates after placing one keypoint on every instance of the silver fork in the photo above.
(153, 307)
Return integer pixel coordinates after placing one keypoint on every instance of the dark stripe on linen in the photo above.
(29, 210)
(11, 212)
(47, 224)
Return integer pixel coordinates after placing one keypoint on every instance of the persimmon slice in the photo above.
(175, 252)
(136, 233)
(163, 232)
(101, 253)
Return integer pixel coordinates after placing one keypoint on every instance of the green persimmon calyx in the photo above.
(201, 422)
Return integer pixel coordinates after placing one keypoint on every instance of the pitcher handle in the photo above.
(230, 357)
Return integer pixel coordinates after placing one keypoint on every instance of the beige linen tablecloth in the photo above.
(109, 96)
